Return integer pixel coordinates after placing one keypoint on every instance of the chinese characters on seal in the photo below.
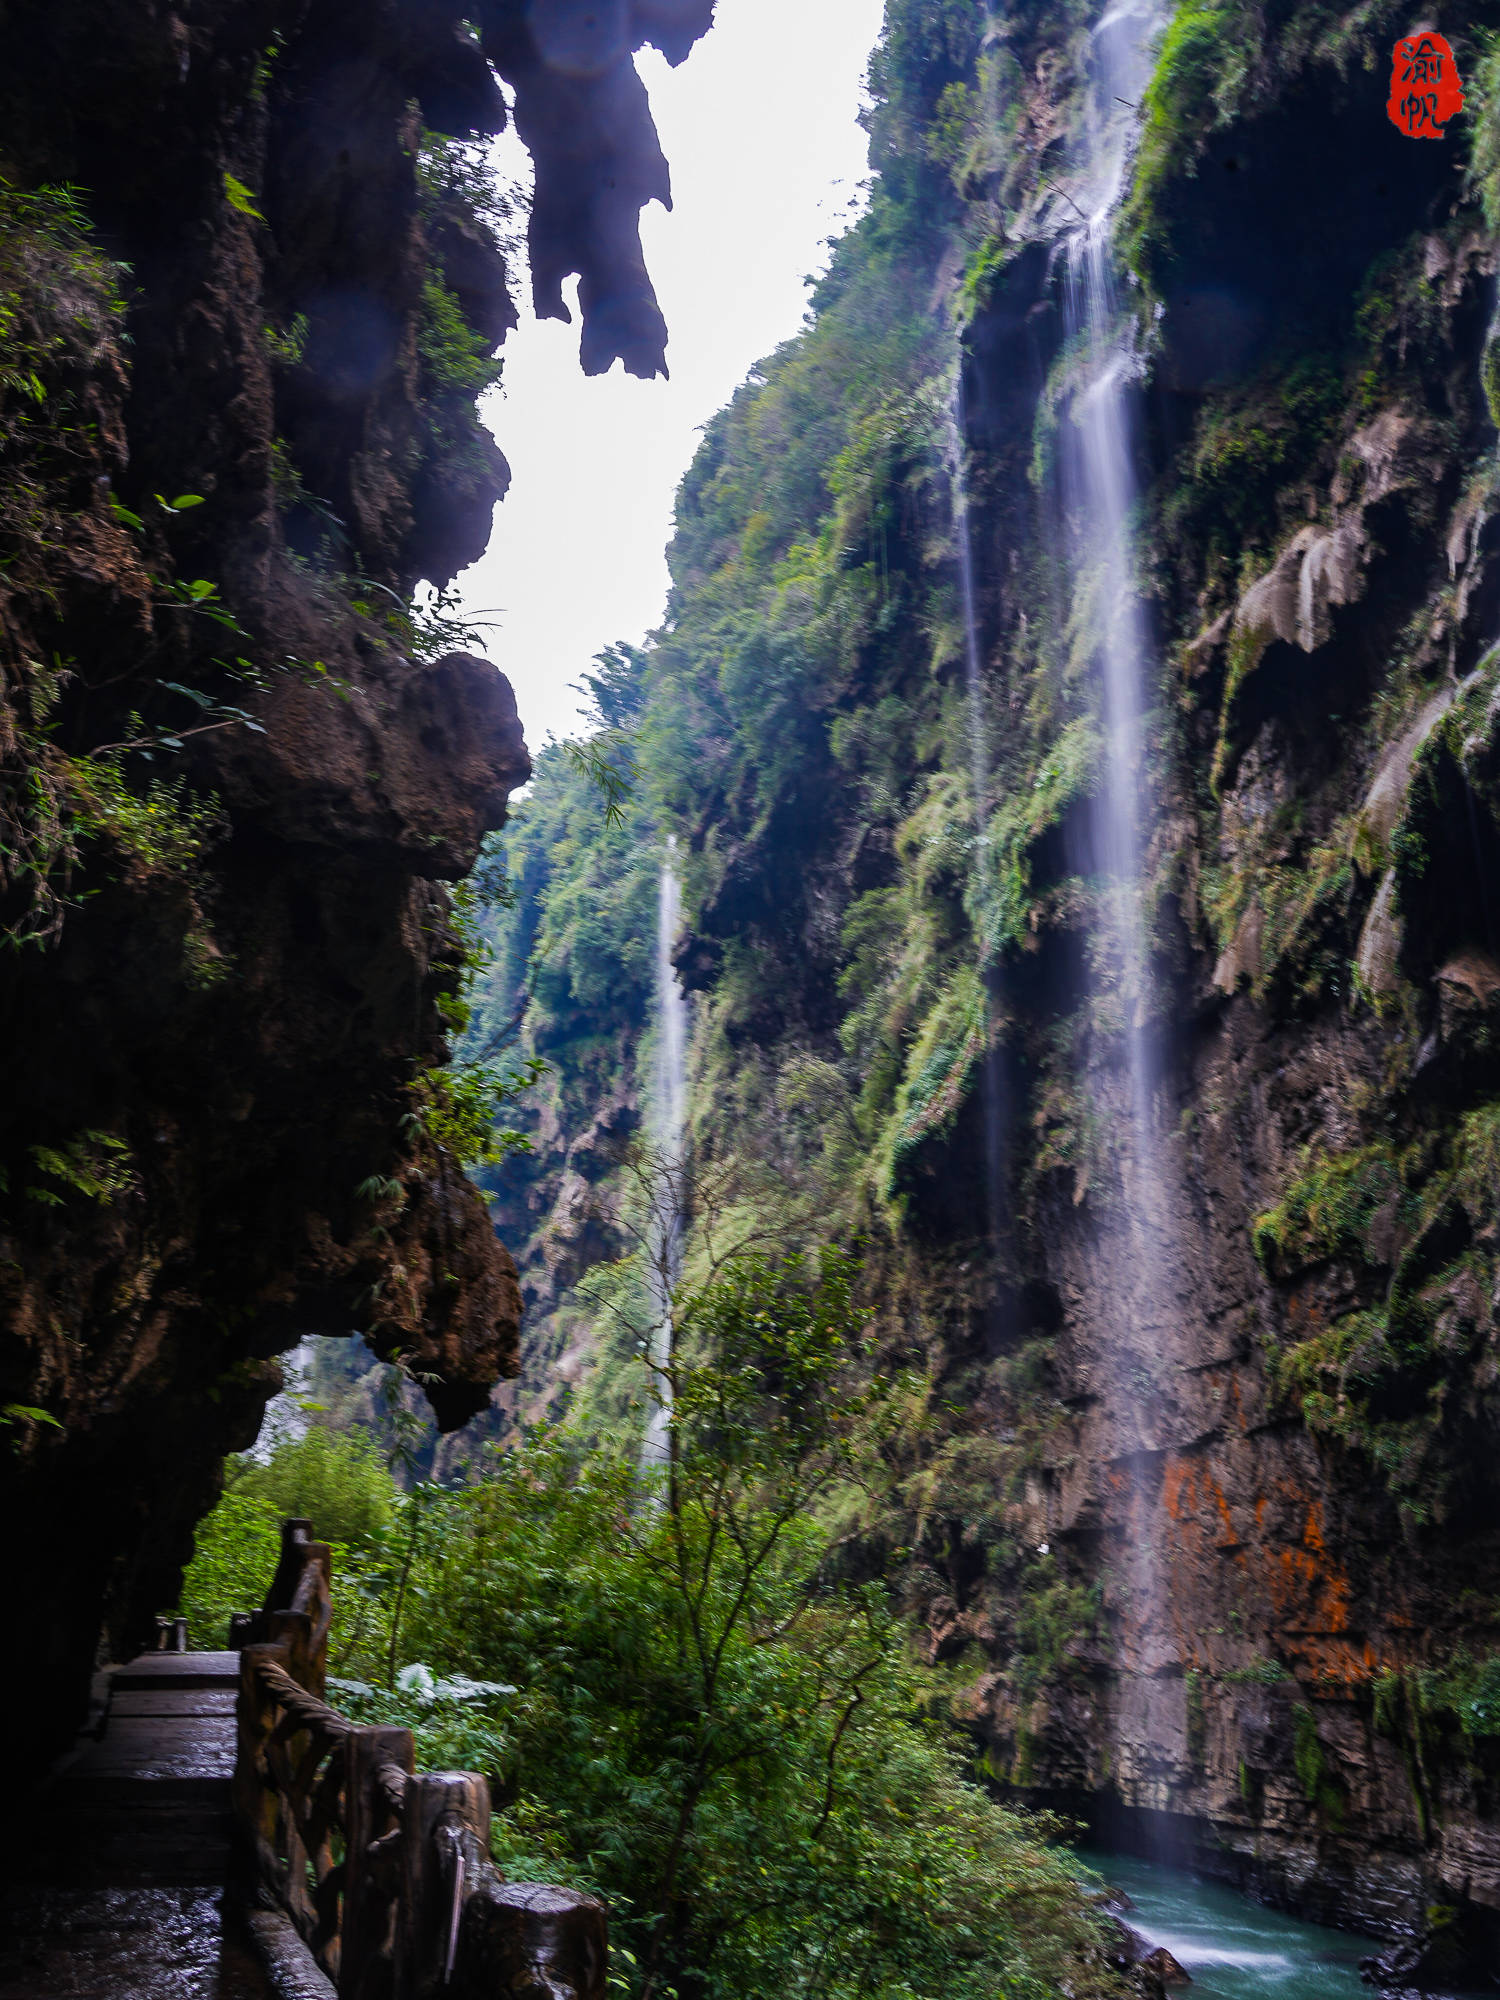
(1425, 87)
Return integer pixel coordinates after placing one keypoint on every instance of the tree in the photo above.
(716, 1724)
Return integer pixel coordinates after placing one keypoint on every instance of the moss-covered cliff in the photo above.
(251, 280)
(1271, 1364)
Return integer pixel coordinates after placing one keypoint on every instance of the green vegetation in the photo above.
(1437, 1714)
(1464, 1691)
(464, 1107)
(567, 912)
(456, 360)
(78, 813)
(334, 1479)
(1413, 1223)
(1483, 82)
(287, 346)
(1202, 75)
(1329, 1209)
(683, 1695)
(457, 177)
(61, 307)
(337, 1481)
(94, 1165)
(240, 198)
(456, 185)
(1257, 1673)
(1320, 1787)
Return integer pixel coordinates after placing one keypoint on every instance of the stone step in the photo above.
(118, 1890)
(178, 1670)
(174, 1845)
(152, 1701)
(123, 1789)
(160, 1746)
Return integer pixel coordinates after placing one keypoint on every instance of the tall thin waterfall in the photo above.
(1100, 494)
(1104, 495)
(664, 1223)
(285, 1419)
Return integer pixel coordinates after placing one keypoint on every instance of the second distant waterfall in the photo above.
(664, 1222)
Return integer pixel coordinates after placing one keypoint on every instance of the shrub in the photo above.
(335, 1479)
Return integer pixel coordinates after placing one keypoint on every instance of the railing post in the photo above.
(366, 1957)
(415, 1909)
(445, 1837)
(254, 1795)
(521, 1941)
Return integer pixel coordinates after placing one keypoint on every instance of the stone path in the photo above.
(119, 1892)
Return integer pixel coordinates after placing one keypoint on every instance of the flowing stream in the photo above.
(1233, 1948)
(664, 1223)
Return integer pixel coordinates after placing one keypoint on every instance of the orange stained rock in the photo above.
(1230, 1538)
(1234, 1404)
(1181, 1478)
(1179, 1487)
(1304, 1308)
(1305, 1594)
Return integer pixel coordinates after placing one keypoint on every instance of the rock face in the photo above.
(1267, 1435)
(249, 291)
(1205, 1495)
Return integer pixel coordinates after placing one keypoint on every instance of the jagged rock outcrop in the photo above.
(582, 111)
(246, 306)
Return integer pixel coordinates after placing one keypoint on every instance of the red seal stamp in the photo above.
(1425, 87)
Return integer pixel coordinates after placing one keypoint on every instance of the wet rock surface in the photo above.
(1162, 1966)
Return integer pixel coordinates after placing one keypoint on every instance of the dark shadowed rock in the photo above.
(226, 1038)
(1160, 1963)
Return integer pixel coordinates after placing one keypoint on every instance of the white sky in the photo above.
(759, 128)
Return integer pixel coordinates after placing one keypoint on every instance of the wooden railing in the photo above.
(385, 1871)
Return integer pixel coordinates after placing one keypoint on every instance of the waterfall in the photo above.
(664, 1221)
(1100, 494)
(1103, 497)
(285, 1420)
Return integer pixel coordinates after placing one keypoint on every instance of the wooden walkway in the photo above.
(119, 1890)
(223, 1834)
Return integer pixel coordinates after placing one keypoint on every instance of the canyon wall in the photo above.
(1200, 1483)
(253, 272)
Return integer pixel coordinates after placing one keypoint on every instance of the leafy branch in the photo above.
(608, 764)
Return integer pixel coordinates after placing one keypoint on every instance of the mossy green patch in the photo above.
(1329, 1209)
(940, 1074)
(1413, 1223)
(1199, 81)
